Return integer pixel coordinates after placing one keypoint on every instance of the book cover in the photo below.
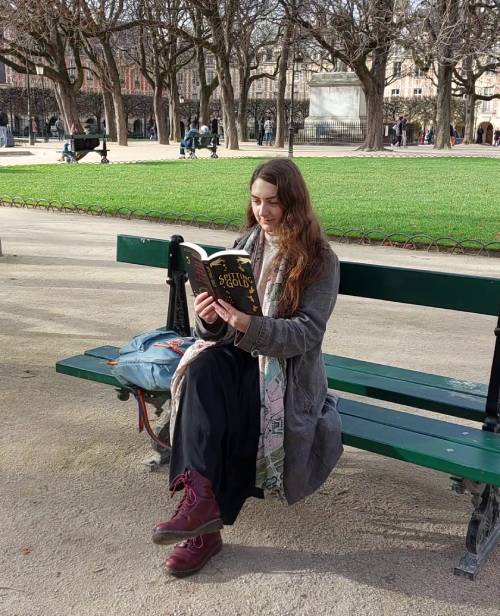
(225, 275)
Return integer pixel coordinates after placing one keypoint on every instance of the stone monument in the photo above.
(336, 97)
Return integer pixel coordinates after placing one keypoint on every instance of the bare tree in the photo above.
(255, 30)
(156, 48)
(206, 86)
(36, 33)
(103, 22)
(446, 36)
(482, 32)
(358, 33)
(220, 18)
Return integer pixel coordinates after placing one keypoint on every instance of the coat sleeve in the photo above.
(284, 338)
(207, 331)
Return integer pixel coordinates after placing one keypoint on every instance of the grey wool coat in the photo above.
(312, 438)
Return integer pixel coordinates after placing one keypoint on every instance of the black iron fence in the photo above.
(344, 133)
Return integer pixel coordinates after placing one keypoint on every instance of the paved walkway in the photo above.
(380, 538)
(150, 150)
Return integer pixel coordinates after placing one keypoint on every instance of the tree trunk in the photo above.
(109, 114)
(120, 115)
(374, 140)
(174, 108)
(243, 109)
(230, 130)
(470, 113)
(67, 98)
(205, 91)
(443, 118)
(373, 84)
(204, 106)
(280, 99)
(116, 91)
(160, 115)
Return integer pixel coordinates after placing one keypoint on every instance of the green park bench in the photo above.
(82, 144)
(470, 455)
(203, 141)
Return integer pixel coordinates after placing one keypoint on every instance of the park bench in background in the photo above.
(81, 145)
(204, 141)
(470, 455)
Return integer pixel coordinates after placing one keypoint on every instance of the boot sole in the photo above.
(185, 572)
(169, 537)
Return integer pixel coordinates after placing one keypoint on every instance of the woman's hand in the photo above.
(229, 314)
(204, 308)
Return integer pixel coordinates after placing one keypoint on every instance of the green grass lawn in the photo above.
(439, 197)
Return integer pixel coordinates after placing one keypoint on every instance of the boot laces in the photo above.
(193, 543)
(189, 497)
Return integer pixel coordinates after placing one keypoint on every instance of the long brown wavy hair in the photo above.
(302, 241)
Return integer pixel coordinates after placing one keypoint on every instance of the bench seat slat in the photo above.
(464, 435)
(399, 435)
(412, 376)
(421, 449)
(104, 352)
(410, 394)
(89, 368)
(394, 390)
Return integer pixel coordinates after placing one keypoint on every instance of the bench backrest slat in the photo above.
(475, 294)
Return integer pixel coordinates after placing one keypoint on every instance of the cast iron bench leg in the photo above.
(483, 531)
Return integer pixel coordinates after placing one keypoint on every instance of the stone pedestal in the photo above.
(336, 97)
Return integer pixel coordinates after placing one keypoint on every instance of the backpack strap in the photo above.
(143, 419)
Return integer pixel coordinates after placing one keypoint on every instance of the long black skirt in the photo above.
(218, 425)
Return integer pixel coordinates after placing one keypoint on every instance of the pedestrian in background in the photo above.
(268, 131)
(214, 127)
(60, 129)
(260, 131)
(404, 125)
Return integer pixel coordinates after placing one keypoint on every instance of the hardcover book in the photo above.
(225, 275)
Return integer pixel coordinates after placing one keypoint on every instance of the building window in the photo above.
(417, 91)
(487, 105)
(269, 55)
(396, 69)
(3, 76)
(395, 92)
(419, 72)
(137, 84)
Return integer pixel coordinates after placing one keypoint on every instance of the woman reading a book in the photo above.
(251, 414)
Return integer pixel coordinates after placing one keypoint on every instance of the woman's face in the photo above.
(266, 205)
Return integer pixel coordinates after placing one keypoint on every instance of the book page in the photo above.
(195, 269)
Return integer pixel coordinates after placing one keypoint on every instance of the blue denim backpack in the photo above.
(148, 361)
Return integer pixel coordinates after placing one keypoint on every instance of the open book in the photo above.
(225, 275)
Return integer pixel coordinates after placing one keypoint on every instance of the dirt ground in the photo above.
(77, 504)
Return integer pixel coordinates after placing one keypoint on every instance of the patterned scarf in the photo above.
(272, 377)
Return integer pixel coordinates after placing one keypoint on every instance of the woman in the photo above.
(253, 413)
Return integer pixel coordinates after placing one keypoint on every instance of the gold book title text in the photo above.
(235, 279)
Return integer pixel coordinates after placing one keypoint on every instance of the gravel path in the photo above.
(77, 505)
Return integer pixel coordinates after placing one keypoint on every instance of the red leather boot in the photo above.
(193, 554)
(197, 514)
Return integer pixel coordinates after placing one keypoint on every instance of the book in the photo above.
(226, 275)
